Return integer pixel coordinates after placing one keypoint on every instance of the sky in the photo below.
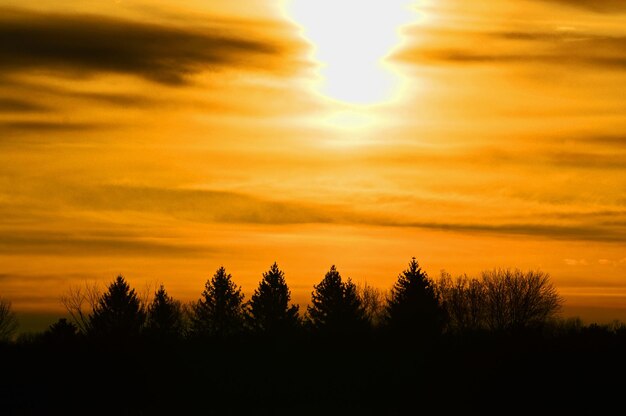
(162, 140)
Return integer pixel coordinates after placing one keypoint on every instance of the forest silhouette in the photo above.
(493, 344)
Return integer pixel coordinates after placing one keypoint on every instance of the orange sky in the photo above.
(161, 140)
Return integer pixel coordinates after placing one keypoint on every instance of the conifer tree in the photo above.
(335, 305)
(219, 312)
(118, 314)
(413, 306)
(269, 308)
(165, 316)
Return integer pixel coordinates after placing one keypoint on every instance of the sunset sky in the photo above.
(162, 139)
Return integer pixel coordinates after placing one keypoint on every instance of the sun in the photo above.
(351, 39)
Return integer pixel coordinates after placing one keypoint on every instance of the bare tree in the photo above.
(519, 300)
(464, 302)
(373, 300)
(8, 321)
(80, 302)
(502, 300)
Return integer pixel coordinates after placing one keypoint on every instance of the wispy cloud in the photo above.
(208, 206)
(88, 244)
(49, 126)
(559, 47)
(15, 105)
(600, 6)
(200, 205)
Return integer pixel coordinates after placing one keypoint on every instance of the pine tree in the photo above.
(119, 314)
(269, 309)
(219, 312)
(336, 306)
(413, 306)
(165, 316)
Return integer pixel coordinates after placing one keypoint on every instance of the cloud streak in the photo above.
(599, 6)
(562, 48)
(88, 44)
(208, 206)
(65, 244)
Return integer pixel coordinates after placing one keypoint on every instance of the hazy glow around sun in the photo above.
(351, 39)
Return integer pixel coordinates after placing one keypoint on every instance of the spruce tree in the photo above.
(269, 308)
(219, 312)
(335, 305)
(165, 316)
(413, 306)
(119, 314)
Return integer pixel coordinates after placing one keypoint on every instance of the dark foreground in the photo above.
(574, 374)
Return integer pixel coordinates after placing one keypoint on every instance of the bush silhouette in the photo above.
(269, 308)
(119, 314)
(413, 306)
(164, 317)
(336, 306)
(8, 321)
(219, 311)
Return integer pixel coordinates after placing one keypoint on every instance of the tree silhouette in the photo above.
(61, 332)
(516, 300)
(336, 306)
(464, 301)
(219, 312)
(118, 314)
(269, 308)
(373, 300)
(8, 321)
(165, 316)
(413, 306)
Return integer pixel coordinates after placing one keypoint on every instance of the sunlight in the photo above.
(351, 39)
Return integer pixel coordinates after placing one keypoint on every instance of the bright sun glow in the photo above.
(351, 40)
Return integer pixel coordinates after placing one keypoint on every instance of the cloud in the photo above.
(87, 44)
(14, 105)
(576, 262)
(200, 205)
(49, 126)
(599, 6)
(90, 244)
(588, 160)
(556, 232)
(209, 206)
(563, 48)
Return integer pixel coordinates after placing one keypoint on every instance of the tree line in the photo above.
(500, 300)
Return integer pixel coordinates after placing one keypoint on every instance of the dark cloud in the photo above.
(564, 48)
(555, 232)
(65, 244)
(586, 160)
(49, 126)
(14, 105)
(612, 142)
(599, 6)
(86, 44)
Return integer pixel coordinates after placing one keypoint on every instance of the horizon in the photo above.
(160, 141)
